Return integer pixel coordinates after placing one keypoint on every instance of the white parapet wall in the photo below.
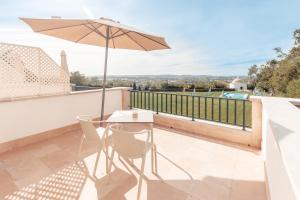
(26, 117)
(280, 146)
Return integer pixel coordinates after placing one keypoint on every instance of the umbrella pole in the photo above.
(104, 76)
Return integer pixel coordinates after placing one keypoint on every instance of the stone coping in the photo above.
(62, 94)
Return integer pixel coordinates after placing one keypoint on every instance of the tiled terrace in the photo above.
(189, 167)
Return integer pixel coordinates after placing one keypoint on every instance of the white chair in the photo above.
(92, 136)
(129, 147)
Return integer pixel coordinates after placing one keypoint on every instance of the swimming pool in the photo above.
(234, 95)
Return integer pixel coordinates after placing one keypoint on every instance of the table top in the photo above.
(125, 116)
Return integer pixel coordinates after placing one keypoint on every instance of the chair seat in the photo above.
(135, 150)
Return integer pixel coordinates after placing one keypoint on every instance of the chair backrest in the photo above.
(88, 128)
(129, 141)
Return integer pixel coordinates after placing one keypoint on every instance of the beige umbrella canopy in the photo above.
(99, 32)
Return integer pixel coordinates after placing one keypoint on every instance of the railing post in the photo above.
(139, 98)
(156, 103)
(161, 102)
(134, 99)
(193, 108)
(166, 102)
(181, 104)
(145, 100)
(176, 104)
(212, 108)
(142, 103)
(171, 104)
(130, 95)
(244, 115)
(199, 101)
(235, 112)
(152, 101)
(220, 103)
(149, 101)
(205, 107)
(227, 108)
(187, 105)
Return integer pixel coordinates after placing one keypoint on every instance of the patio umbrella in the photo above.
(99, 32)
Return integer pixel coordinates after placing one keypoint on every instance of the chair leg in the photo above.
(111, 161)
(96, 163)
(141, 173)
(155, 158)
(80, 148)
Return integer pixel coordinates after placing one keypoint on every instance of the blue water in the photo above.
(235, 95)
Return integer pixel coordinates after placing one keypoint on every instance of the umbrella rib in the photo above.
(116, 32)
(88, 33)
(112, 39)
(96, 31)
(152, 40)
(121, 34)
(134, 40)
(50, 29)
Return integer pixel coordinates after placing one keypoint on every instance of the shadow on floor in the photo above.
(69, 182)
(115, 186)
(64, 184)
(205, 189)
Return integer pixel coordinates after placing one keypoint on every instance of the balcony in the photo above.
(41, 161)
(196, 159)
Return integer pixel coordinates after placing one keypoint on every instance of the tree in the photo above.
(293, 89)
(297, 37)
(264, 76)
(134, 86)
(279, 52)
(279, 76)
(165, 85)
(94, 81)
(220, 84)
(252, 74)
(202, 85)
(251, 85)
(252, 71)
(283, 75)
(78, 78)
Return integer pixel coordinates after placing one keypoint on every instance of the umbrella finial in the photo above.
(108, 19)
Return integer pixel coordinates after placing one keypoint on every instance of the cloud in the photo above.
(181, 59)
(206, 38)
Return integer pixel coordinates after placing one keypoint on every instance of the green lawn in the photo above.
(216, 108)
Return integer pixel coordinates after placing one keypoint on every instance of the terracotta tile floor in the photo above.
(189, 167)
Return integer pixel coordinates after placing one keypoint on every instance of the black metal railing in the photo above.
(228, 111)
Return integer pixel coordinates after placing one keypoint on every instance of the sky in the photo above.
(207, 37)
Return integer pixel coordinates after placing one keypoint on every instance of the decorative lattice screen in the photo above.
(28, 71)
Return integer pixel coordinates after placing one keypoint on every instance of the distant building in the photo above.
(238, 84)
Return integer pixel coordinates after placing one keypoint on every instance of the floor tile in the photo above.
(189, 168)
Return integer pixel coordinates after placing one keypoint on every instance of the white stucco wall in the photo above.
(280, 146)
(237, 86)
(26, 117)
